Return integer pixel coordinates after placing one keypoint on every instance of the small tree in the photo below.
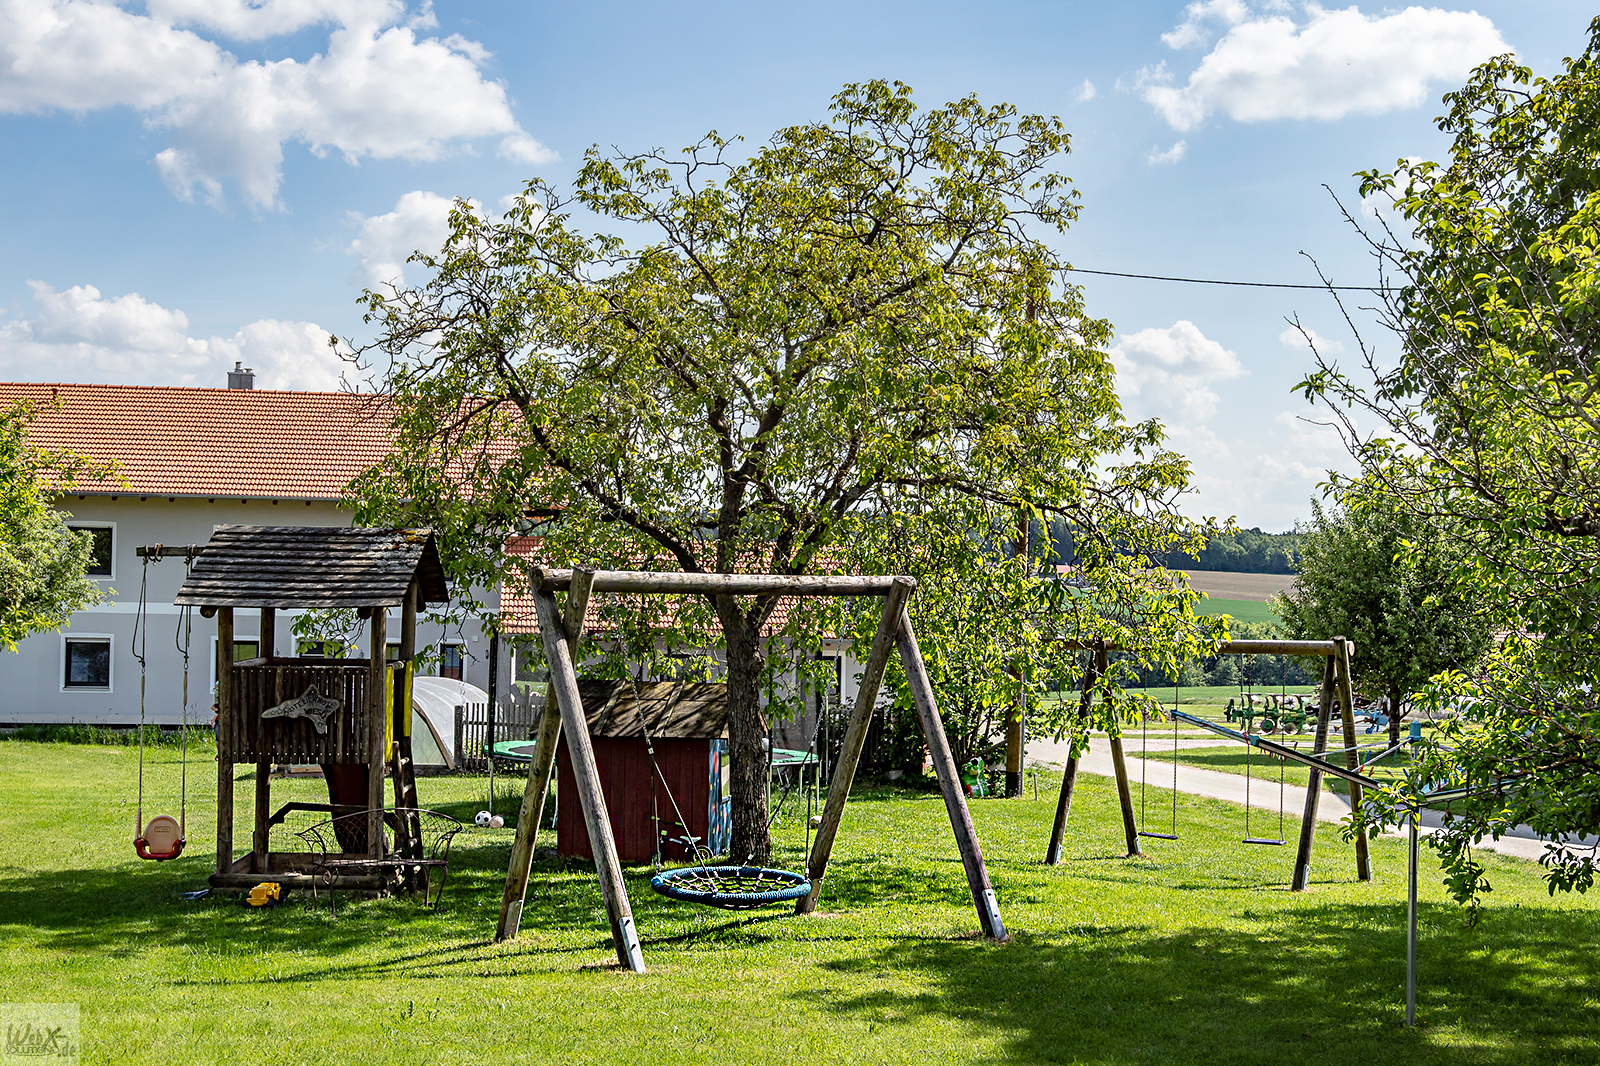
(1379, 578)
(764, 362)
(42, 562)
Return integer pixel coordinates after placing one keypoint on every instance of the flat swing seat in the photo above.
(734, 888)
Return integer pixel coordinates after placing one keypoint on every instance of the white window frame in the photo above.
(238, 638)
(73, 523)
(110, 641)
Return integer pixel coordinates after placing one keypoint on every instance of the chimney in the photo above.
(241, 377)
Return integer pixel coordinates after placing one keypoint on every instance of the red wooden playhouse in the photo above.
(688, 727)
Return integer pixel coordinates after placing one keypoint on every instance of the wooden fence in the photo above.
(515, 718)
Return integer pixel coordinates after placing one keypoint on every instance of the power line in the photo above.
(1248, 284)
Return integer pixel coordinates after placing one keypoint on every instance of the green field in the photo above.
(1194, 954)
(1243, 610)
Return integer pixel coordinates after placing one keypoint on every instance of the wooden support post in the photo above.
(855, 737)
(1308, 816)
(944, 764)
(1015, 742)
(603, 845)
(224, 739)
(1069, 776)
(258, 840)
(540, 768)
(378, 722)
(1016, 738)
(1343, 652)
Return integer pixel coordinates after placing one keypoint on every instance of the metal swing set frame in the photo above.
(561, 629)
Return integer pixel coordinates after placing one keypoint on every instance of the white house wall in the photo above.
(31, 690)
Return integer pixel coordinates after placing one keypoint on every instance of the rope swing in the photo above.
(1248, 760)
(1144, 769)
(163, 837)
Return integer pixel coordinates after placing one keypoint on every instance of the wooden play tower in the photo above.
(348, 715)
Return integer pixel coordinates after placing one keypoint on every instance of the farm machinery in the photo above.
(1273, 712)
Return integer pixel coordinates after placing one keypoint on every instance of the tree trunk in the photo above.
(747, 756)
(1394, 715)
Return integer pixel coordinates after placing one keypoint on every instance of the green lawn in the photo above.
(1193, 954)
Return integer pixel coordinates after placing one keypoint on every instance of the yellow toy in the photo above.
(266, 894)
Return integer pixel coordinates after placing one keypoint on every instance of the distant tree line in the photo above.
(1247, 551)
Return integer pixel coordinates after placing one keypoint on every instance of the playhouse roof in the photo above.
(313, 567)
(678, 710)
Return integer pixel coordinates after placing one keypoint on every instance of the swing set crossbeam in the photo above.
(1237, 647)
(724, 584)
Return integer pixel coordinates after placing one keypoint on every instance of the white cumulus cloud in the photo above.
(1326, 65)
(1269, 480)
(1168, 373)
(1156, 157)
(1304, 337)
(378, 90)
(254, 20)
(1086, 92)
(419, 222)
(80, 335)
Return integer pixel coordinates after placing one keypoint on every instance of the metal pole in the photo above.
(1411, 927)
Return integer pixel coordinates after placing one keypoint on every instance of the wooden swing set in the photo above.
(561, 629)
(1336, 688)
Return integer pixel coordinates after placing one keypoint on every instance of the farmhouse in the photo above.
(190, 459)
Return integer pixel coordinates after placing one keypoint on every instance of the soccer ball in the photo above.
(497, 822)
(482, 819)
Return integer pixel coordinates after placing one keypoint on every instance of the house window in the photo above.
(100, 552)
(242, 650)
(86, 663)
(529, 668)
(320, 649)
(391, 651)
(450, 661)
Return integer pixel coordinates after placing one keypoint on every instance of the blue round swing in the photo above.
(733, 888)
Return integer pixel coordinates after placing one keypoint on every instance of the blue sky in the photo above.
(197, 181)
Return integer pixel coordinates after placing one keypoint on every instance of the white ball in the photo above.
(483, 818)
(497, 822)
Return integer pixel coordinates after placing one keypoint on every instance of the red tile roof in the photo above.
(245, 443)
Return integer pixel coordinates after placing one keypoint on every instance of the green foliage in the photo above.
(42, 563)
(849, 351)
(1383, 579)
(1487, 427)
